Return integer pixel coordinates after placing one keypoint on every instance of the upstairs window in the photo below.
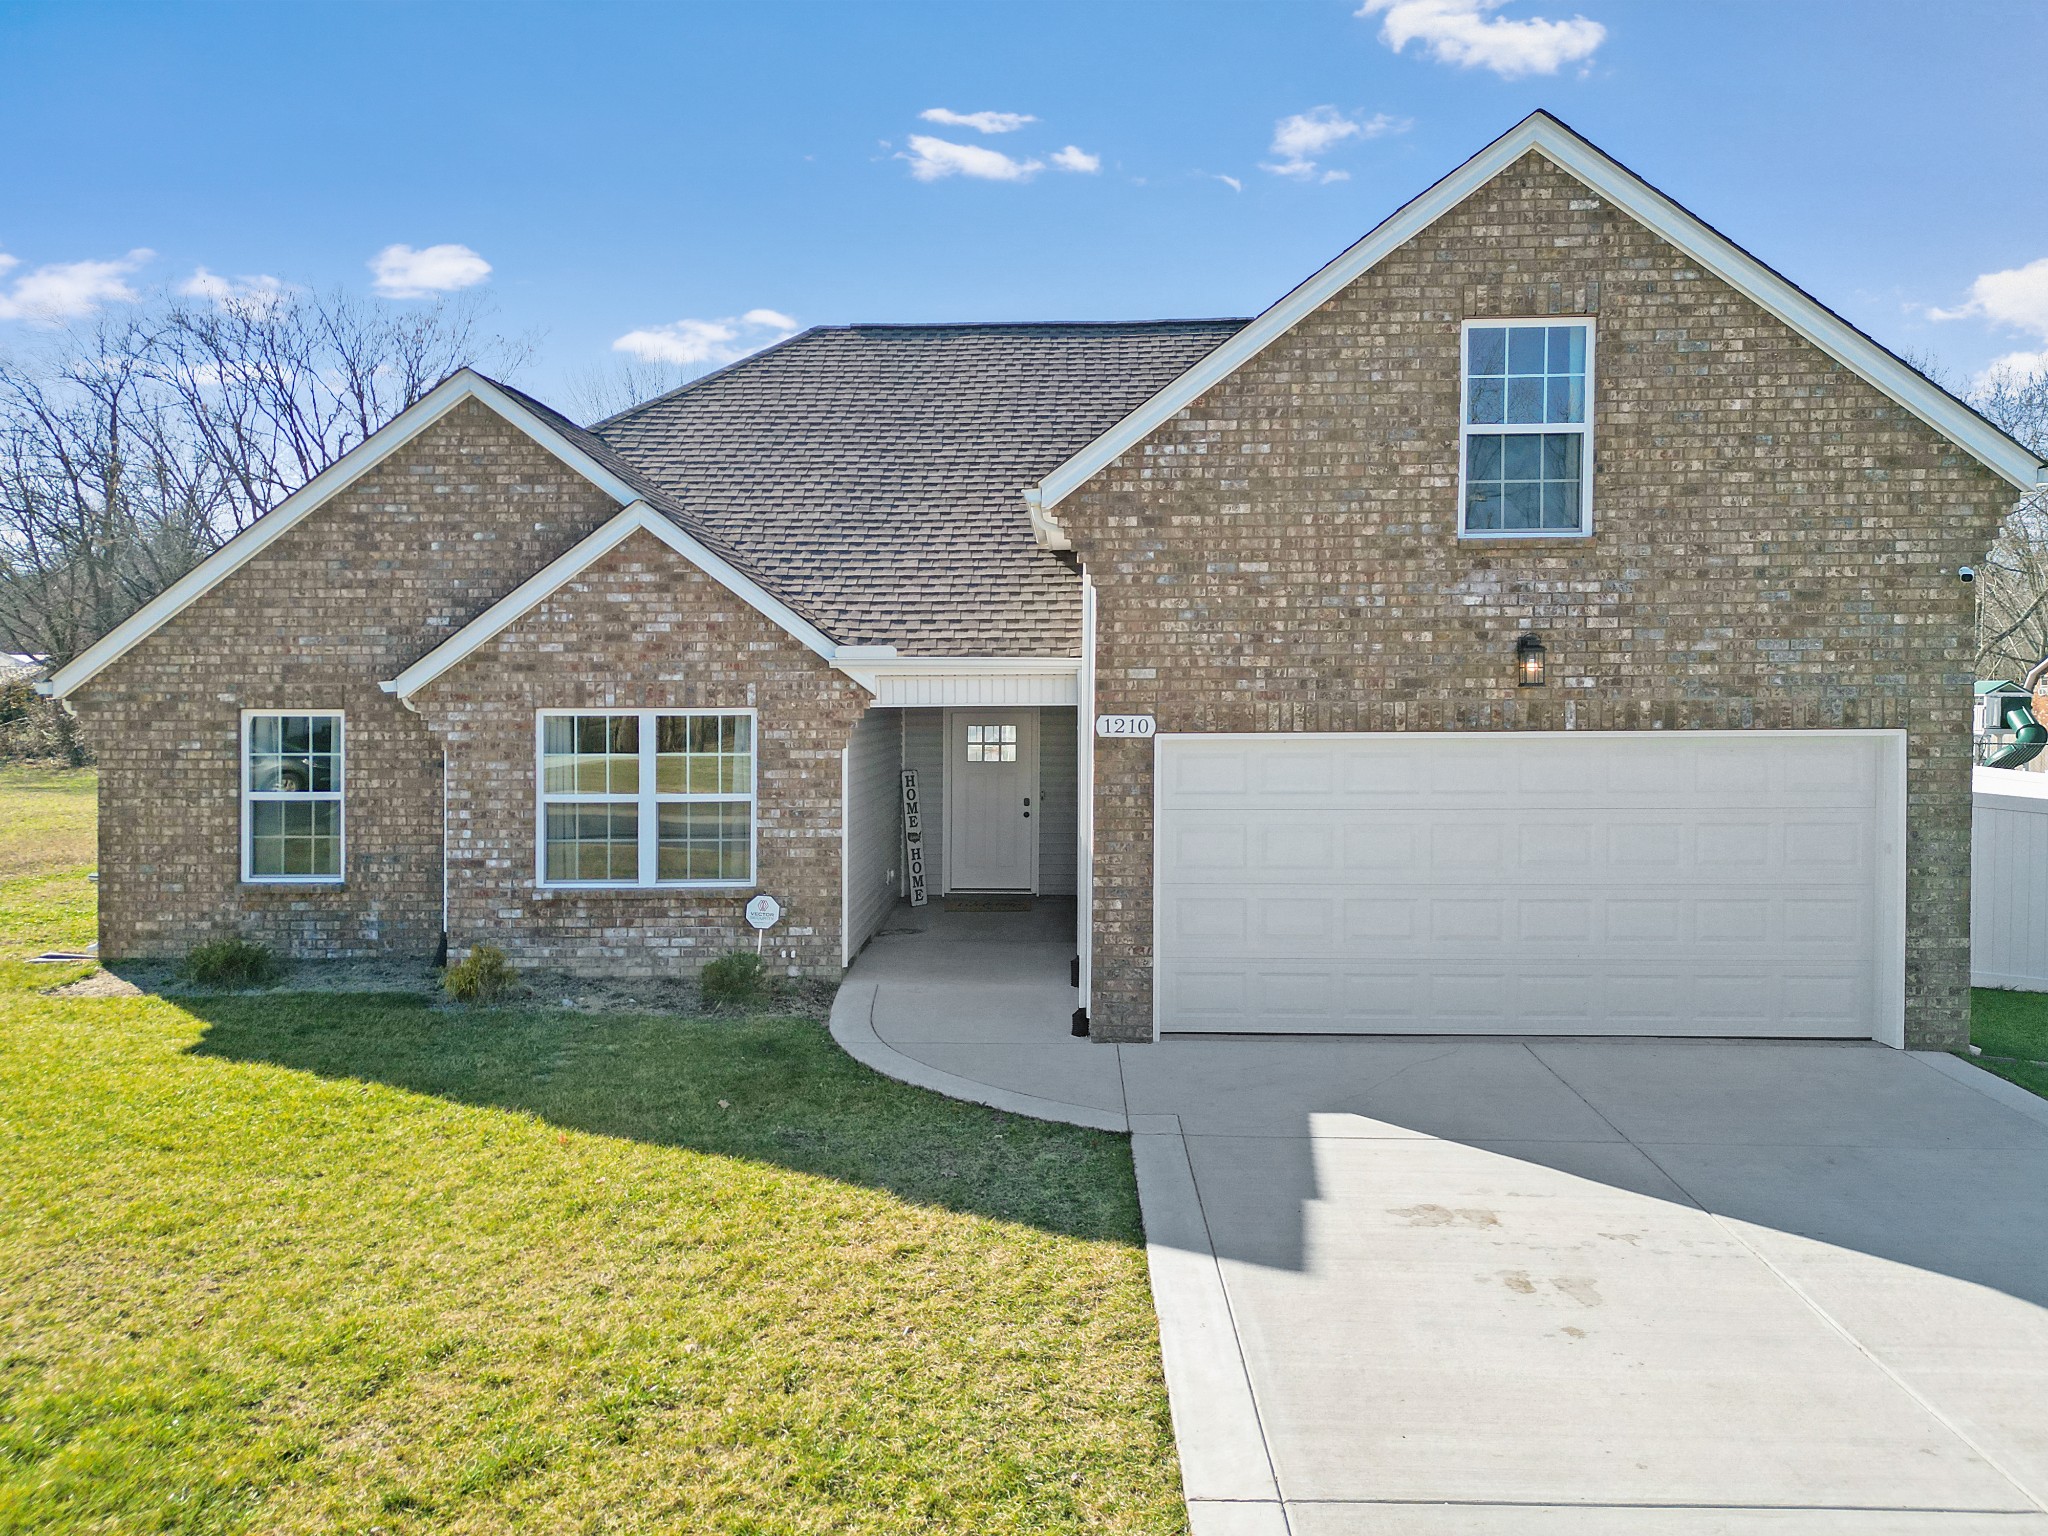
(291, 797)
(1527, 436)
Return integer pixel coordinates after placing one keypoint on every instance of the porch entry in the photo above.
(993, 807)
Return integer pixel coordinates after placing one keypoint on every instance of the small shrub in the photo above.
(737, 979)
(483, 977)
(231, 963)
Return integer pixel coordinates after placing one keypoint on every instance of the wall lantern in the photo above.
(1529, 656)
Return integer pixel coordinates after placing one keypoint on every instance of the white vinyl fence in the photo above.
(2009, 880)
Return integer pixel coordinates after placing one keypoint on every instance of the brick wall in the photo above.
(642, 629)
(366, 584)
(1775, 546)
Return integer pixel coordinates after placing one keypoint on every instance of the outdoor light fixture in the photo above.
(1529, 662)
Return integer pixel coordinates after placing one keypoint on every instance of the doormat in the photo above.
(988, 903)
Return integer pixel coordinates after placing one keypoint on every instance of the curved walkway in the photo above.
(1444, 1287)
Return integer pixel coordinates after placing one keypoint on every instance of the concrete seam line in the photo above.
(853, 1028)
(1218, 1431)
(1843, 1332)
(1990, 1084)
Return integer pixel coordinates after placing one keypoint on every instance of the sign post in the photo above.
(763, 913)
(913, 838)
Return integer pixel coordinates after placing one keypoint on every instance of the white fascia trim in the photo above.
(529, 594)
(1633, 196)
(287, 514)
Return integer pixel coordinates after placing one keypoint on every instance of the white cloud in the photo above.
(2013, 368)
(2017, 297)
(1300, 139)
(693, 343)
(1231, 182)
(1074, 158)
(253, 295)
(68, 290)
(980, 122)
(1465, 33)
(934, 159)
(404, 273)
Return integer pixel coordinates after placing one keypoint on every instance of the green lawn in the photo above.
(317, 1263)
(2013, 1024)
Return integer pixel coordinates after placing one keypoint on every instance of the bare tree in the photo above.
(604, 390)
(2012, 584)
(132, 448)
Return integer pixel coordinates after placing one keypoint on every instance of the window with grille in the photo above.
(291, 796)
(991, 743)
(647, 797)
(1526, 438)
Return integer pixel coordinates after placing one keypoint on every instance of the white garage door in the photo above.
(1682, 883)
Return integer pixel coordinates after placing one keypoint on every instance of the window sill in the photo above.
(1498, 535)
(295, 882)
(623, 887)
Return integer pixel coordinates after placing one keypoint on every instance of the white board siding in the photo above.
(874, 826)
(1058, 801)
(1682, 883)
(2009, 880)
(913, 690)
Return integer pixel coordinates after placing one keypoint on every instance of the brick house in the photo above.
(1545, 618)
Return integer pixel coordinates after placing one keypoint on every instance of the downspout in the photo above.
(1084, 773)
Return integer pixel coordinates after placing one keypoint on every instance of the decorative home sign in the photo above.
(1124, 725)
(913, 838)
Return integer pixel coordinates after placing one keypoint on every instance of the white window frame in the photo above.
(1467, 429)
(649, 801)
(339, 795)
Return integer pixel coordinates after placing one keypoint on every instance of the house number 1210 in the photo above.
(1124, 725)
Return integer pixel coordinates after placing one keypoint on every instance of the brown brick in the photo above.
(1775, 547)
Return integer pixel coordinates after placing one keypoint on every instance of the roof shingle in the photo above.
(870, 475)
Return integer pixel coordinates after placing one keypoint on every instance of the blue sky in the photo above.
(643, 172)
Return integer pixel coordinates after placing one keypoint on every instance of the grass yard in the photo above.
(320, 1263)
(2012, 1024)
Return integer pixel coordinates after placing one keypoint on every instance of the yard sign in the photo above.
(913, 838)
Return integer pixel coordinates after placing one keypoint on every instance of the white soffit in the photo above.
(287, 514)
(931, 682)
(1634, 196)
(529, 594)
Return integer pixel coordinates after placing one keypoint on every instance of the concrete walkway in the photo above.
(1434, 1286)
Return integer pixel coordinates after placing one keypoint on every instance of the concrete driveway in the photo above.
(1487, 1287)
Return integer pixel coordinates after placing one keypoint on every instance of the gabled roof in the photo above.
(869, 474)
(638, 518)
(1549, 137)
(601, 470)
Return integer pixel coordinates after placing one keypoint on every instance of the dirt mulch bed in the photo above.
(802, 998)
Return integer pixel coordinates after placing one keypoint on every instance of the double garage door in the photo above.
(1684, 883)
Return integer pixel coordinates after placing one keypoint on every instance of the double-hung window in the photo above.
(291, 796)
(647, 798)
(1527, 435)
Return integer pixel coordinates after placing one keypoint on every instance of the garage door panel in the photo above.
(1713, 883)
(1517, 924)
(1228, 846)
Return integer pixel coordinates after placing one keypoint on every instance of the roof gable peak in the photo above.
(1547, 135)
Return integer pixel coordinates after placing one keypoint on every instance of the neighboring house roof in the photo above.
(1549, 137)
(869, 474)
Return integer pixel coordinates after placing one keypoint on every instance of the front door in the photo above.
(992, 800)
